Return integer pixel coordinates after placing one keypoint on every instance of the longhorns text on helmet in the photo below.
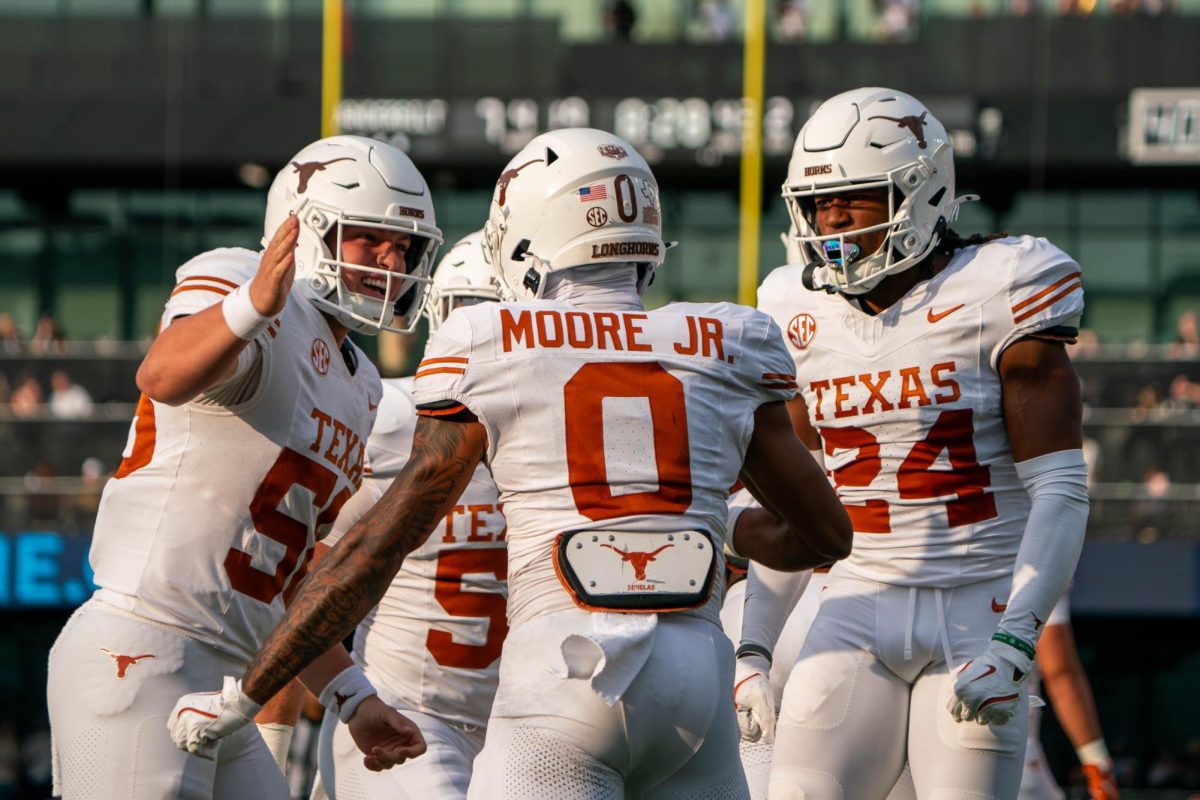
(573, 197)
(871, 138)
(354, 180)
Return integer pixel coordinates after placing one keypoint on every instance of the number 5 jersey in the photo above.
(211, 516)
(908, 406)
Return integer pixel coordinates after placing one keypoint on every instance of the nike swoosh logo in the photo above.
(999, 608)
(932, 317)
(991, 668)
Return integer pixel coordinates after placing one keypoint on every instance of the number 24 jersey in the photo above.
(907, 403)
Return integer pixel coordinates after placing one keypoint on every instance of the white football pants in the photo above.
(113, 681)
(871, 689)
(673, 734)
(443, 772)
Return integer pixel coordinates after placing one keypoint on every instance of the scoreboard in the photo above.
(696, 131)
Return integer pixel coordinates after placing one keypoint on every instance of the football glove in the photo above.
(753, 698)
(987, 689)
(201, 719)
(1101, 783)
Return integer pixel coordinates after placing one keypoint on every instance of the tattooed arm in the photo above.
(354, 575)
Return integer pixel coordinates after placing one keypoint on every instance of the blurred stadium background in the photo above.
(137, 133)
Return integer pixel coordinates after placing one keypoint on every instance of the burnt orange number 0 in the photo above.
(452, 566)
(587, 472)
(290, 469)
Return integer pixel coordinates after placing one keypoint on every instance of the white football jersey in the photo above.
(628, 419)
(434, 639)
(211, 516)
(907, 403)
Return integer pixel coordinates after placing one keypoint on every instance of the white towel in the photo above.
(611, 655)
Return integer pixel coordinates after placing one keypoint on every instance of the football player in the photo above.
(934, 378)
(248, 438)
(1070, 695)
(613, 434)
(432, 645)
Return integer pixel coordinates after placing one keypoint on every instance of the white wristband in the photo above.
(241, 316)
(345, 691)
(1094, 752)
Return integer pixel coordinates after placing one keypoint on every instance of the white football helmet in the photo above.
(353, 180)
(573, 197)
(864, 139)
(462, 278)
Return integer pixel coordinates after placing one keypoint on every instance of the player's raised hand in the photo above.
(384, 735)
(276, 270)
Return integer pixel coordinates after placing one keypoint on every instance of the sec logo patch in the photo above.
(802, 330)
(320, 356)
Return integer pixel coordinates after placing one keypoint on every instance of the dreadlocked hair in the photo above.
(951, 241)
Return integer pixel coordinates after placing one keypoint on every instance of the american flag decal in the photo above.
(597, 191)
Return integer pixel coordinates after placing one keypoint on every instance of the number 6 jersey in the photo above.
(623, 418)
(212, 514)
(907, 403)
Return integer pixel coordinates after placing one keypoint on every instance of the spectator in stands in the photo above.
(895, 22)
(1183, 394)
(793, 19)
(1187, 337)
(47, 337)
(68, 400)
(718, 19)
(10, 335)
(44, 505)
(92, 476)
(621, 18)
(27, 399)
(1151, 511)
(1146, 404)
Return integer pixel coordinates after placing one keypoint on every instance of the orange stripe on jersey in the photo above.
(429, 362)
(441, 412)
(823, 570)
(778, 385)
(781, 376)
(1045, 291)
(211, 279)
(143, 439)
(1070, 288)
(213, 289)
(439, 370)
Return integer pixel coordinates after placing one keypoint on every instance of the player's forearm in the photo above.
(771, 596)
(765, 538)
(325, 668)
(1067, 686)
(353, 576)
(191, 355)
(1050, 546)
(284, 707)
